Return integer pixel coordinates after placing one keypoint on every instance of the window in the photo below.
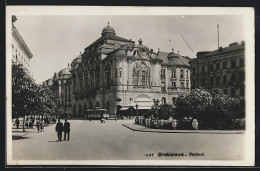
(173, 73)
(242, 76)
(233, 63)
(224, 79)
(242, 91)
(86, 79)
(217, 66)
(211, 67)
(202, 82)
(187, 74)
(225, 91)
(173, 84)
(108, 76)
(120, 72)
(116, 73)
(97, 78)
(163, 100)
(217, 81)
(193, 83)
(224, 65)
(143, 78)
(211, 81)
(74, 85)
(182, 84)
(202, 69)
(233, 77)
(187, 84)
(241, 62)
(181, 75)
(162, 73)
(232, 92)
(163, 87)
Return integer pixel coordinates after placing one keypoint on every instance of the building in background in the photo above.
(222, 68)
(115, 73)
(21, 54)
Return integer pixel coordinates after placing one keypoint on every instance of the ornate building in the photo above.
(115, 73)
(21, 54)
(222, 68)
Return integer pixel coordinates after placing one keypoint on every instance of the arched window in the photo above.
(108, 76)
(163, 100)
(174, 73)
(224, 79)
(181, 74)
(135, 76)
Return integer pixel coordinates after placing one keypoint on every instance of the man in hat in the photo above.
(59, 129)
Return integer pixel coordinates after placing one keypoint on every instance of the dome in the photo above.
(65, 71)
(108, 31)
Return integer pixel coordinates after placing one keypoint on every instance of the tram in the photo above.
(97, 114)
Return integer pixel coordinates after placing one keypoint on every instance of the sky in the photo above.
(56, 40)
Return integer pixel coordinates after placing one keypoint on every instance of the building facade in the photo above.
(222, 68)
(116, 73)
(21, 54)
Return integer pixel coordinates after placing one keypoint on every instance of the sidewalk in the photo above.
(140, 128)
(19, 132)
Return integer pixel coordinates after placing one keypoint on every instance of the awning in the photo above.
(139, 107)
(143, 107)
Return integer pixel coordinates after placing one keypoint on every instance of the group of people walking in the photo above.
(60, 128)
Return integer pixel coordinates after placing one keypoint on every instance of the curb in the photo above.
(180, 131)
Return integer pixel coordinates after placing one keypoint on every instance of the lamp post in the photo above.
(156, 103)
(136, 110)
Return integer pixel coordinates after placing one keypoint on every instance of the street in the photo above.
(91, 140)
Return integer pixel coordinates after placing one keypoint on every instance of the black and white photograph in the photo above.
(138, 86)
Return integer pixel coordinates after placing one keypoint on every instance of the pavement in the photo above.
(141, 128)
(92, 140)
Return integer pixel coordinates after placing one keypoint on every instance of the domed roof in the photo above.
(108, 30)
(65, 71)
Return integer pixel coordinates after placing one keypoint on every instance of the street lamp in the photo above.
(136, 110)
(156, 103)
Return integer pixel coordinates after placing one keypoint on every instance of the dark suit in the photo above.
(66, 130)
(59, 129)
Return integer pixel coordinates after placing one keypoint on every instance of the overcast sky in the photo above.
(56, 40)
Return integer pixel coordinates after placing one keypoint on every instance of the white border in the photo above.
(248, 16)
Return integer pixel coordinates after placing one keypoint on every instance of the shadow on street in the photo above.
(14, 137)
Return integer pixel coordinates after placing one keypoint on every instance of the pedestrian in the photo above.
(66, 130)
(30, 124)
(42, 126)
(17, 123)
(59, 129)
(38, 125)
(26, 124)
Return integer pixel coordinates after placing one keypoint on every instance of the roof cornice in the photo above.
(21, 42)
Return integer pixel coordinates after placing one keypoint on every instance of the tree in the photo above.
(28, 98)
(212, 107)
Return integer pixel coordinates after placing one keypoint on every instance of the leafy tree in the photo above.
(28, 98)
(212, 107)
